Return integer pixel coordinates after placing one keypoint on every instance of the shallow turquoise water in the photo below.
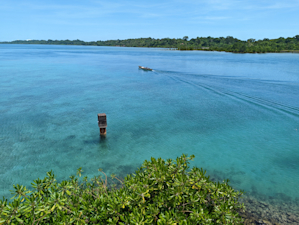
(237, 113)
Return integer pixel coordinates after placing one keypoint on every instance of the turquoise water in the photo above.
(237, 113)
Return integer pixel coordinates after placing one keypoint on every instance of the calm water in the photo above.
(237, 113)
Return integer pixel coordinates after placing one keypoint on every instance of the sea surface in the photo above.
(237, 113)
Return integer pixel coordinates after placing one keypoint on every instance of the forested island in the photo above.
(227, 44)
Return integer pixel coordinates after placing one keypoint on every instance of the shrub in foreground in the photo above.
(160, 192)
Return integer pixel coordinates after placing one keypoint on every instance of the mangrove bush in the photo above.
(159, 192)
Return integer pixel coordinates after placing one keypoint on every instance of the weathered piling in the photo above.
(102, 123)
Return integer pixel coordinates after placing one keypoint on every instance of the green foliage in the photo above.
(160, 192)
(185, 38)
(228, 44)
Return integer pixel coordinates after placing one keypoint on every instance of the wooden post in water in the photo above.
(102, 123)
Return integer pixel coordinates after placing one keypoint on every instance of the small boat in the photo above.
(145, 68)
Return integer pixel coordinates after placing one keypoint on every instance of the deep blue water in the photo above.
(237, 113)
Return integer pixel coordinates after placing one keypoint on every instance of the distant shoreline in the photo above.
(164, 48)
(221, 44)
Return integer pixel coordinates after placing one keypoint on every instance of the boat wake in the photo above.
(212, 83)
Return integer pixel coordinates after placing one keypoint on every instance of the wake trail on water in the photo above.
(272, 105)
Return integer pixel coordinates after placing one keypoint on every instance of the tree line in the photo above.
(227, 44)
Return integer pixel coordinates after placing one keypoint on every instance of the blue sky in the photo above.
(92, 20)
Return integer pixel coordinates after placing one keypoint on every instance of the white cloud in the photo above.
(216, 17)
(279, 5)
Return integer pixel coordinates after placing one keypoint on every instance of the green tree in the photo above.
(160, 192)
(185, 38)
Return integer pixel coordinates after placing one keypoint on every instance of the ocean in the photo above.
(237, 113)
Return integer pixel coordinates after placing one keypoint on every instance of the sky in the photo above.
(92, 20)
